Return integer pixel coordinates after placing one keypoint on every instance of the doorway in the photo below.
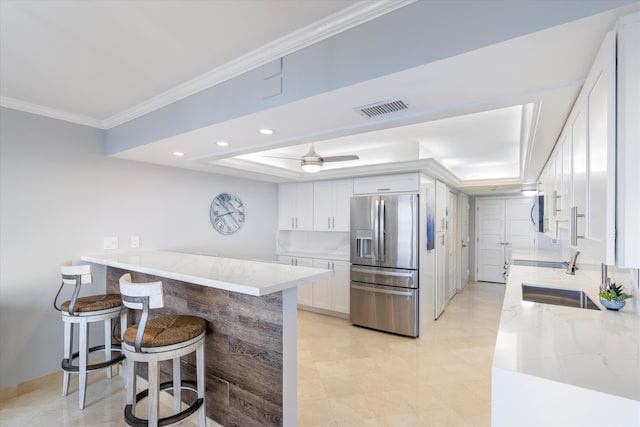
(502, 225)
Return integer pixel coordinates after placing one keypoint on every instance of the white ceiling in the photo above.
(483, 120)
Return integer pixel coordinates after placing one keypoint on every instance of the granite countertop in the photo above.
(243, 276)
(597, 350)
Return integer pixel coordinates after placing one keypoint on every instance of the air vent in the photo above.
(381, 108)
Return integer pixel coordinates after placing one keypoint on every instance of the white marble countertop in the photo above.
(596, 350)
(243, 276)
(333, 256)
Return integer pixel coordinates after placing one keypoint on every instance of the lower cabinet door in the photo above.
(340, 291)
(322, 287)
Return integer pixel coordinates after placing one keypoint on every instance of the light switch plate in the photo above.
(110, 243)
(135, 242)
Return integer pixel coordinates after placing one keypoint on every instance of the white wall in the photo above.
(427, 258)
(60, 195)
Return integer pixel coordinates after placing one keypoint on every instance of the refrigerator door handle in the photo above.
(383, 214)
(383, 291)
(382, 273)
(376, 232)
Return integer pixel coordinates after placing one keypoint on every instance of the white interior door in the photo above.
(503, 225)
(520, 231)
(490, 241)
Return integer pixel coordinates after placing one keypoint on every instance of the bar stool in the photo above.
(156, 339)
(83, 311)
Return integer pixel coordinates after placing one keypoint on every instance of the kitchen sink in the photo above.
(547, 264)
(567, 297)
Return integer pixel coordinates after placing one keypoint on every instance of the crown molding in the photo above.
(331, 25)
(40, 110)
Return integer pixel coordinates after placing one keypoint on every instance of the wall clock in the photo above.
(227, 213)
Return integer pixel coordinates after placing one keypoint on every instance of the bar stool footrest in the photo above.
(68, 366)
(134, 421)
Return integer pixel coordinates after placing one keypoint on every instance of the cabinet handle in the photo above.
(556, 196)
(442, 238)
(574, 226)
(296, 222)
(442, 223)
(333, 222)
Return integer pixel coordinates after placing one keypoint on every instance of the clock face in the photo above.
(226, 213)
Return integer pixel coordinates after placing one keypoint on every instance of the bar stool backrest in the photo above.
(70, 274)
(152, 290)
(76, 275)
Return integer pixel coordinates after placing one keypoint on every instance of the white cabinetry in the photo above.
(328, 295)
(295, 206)
(305, 292)
(406, 182)
(331, 201)
(628, 144)
(332, 293)
(592, 218)
(599, 154)
(554, 188)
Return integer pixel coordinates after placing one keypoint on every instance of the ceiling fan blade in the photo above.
(281, 157)
(340, 158)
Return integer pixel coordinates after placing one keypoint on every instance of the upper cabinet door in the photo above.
(295, 206)
(342, 192)
(628, 143)
(323, 205)
(594, 143)
(331, 205)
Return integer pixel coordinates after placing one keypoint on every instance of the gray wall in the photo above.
(60, 195)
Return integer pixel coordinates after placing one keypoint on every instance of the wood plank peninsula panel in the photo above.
(243, 348)
(250, 307)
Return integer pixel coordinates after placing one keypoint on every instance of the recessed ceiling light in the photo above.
(529, 192)
(178, 153)
(222, 144)
(266, 131)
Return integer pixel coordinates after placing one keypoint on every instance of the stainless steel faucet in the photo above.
(571, 265)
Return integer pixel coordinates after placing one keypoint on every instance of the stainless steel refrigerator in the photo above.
(384, 263)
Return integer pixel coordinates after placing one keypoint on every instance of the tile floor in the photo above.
(347, 376)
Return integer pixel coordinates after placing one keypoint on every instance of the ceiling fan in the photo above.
(312, 162)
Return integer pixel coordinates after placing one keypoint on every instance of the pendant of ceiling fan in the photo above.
(312, 162)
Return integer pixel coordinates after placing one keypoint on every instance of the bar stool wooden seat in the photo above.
(83, 311)
(154, 340)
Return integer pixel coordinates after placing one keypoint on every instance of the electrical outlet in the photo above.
(135, 242)
(110, 243)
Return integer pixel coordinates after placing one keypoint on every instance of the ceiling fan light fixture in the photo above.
(311, 166)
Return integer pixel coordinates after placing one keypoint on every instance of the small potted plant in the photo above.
(612, 297)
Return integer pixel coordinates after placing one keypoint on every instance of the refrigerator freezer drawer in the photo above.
(385, 308)
(385, 276)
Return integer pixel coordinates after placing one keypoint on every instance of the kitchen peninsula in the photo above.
(250, 308)
(564, 366)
